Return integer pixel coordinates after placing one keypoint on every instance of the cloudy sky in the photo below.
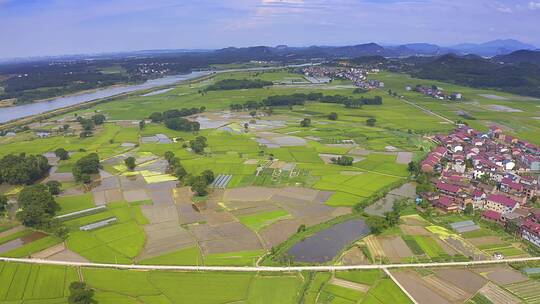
(51, 27)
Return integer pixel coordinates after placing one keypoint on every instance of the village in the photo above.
(493, 173)
(356, 75)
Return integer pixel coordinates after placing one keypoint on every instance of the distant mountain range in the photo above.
(283, 52)
(487, 49)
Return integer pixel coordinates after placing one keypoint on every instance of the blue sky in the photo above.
(51, 27)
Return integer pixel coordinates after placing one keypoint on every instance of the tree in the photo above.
(156, 117)
(198, 144)
(168, 156)
(306, 122)
(130, 163)
(199, 186)
(54, 187)
(343, 160)
(3, 204)
(333, 116)
(142, 123)
(38, 206)
(468, 209)
(80, 294)
(99, 119)
(86, 165)
(376, 224)
(22, 169)
(370, 122)
(208, 176)
(65, 127)
(253, 113)
(61, 153)
(180, 172)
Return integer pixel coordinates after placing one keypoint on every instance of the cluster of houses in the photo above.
(356, 75)
(490, 171)
(435, 92)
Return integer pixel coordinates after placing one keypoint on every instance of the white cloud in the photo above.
(504, 9)
(534, 5)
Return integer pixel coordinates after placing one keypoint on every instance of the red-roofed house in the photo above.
(491, 215)
(500, 203)
(508, 185)
(448, 189)
(446, 204)
(530, 231)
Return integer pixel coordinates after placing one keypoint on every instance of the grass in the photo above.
(260, 220)
(428, 245)
(74, 203)
(242, 258)
(367, 277)
(413, 245)
(119, 243)
(33, 247)
(188, 256)
(263, 289)
(386, 291)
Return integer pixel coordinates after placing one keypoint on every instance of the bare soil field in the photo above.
(414, 230)
(404, 157)
(445, 289)
(354, 256)
(374, 246)
(249, 194)
(486, 240)
(497, 295)
(421, 291)
(230, 237)
(281, 230)
(501, 274)
(59, 252)
(414, 221)
(395, 249)
(463, 278)
(136, 195)
(163, 233)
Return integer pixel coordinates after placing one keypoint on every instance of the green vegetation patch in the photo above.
(260, 220)
(75, 203)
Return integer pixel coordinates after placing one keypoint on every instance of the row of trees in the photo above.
(161, 116)
(182, 124)
(199, 184)
(343, 160)
(301, 98)
(23, 169)
(238, 84)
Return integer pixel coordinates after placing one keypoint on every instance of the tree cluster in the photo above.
(86, 166)
(182, 124)
(38, 208)
(238, 84)
(343, 160)
(198, 144)
(306, 122)
(22, 169)
(161, 116)
(80, 293)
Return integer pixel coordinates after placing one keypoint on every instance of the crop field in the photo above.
(484, 106)
(370, 286)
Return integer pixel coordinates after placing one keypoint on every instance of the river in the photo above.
(16, 112)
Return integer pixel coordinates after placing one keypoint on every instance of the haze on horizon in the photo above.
(54, 27)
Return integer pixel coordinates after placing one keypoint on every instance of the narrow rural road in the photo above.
(426, 110)
(265, 268)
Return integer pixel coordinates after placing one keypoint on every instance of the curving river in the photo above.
(16, 112)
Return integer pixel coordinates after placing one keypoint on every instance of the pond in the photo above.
(327, 244)
(385, 204)
(16, 243)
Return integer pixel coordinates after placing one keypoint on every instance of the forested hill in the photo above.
(521, 78)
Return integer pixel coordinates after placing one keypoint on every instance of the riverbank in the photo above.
(87, 104)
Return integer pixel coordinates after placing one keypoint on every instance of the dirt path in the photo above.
(350, 285)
